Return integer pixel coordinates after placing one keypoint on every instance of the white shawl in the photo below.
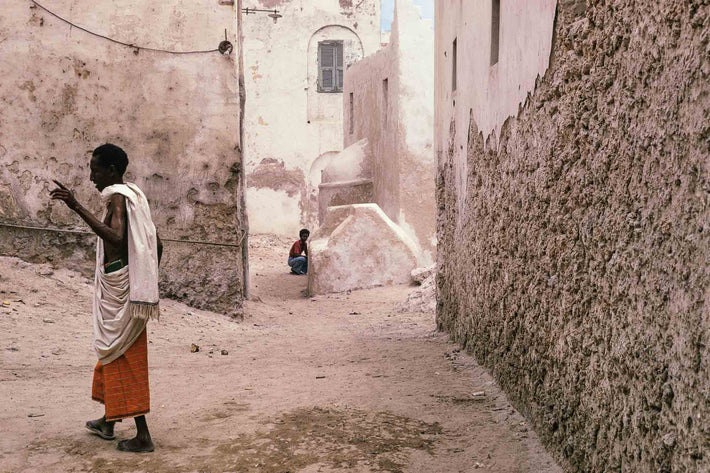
(125, 299)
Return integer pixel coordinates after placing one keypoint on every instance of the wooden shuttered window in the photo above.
(330, 66)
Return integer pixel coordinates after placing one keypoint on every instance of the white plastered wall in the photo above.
(399, 128)
(487, 94)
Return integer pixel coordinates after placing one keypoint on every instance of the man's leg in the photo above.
(100, 427)
(141, 442)
(292, 263)
(296, 264)
(300, 265)
(127, 394)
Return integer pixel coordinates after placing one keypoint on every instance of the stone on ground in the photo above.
(419, 275)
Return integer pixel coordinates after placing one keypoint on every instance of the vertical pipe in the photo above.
(243, 180)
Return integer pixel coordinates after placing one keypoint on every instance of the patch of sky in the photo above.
(387, 16)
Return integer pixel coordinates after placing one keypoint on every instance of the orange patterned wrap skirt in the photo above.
(122, 385)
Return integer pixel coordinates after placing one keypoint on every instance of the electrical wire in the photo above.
(129, 45)
(83, 232)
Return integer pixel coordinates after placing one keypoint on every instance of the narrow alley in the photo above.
(333, 383)
(548, 159)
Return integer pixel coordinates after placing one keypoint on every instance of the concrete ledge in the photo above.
(330, 194)
(351, 183)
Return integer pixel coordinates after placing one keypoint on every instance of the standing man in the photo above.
(128, 251)
(298, 256)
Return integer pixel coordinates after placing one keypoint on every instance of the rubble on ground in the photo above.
(423, 298)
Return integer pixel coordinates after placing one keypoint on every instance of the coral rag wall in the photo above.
(292, 130)
(397, 119)
(573, 251)
(64, 92)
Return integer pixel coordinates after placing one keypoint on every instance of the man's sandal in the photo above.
(123, 446)
(94, 429)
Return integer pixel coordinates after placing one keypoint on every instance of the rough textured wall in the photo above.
(287, 120)
(396, 117)
(577, 267)
(64, 92)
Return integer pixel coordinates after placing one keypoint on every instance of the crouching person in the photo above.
(128, 251)
(298, 256)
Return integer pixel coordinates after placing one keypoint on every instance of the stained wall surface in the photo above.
(64, 92)
(573, 238)
(392, 95)
(292, 129)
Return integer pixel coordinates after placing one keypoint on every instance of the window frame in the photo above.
(337, 66)
(385, 100)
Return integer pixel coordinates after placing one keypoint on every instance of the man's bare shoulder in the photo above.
(116, 206)
(117, 201)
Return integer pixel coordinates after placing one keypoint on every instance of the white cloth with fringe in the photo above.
(124, 300)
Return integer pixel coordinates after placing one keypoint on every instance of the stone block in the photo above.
(357, 247)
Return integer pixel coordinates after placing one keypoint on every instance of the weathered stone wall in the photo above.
(576, 266)
(417, 176)
(288, 122)
(64, 92)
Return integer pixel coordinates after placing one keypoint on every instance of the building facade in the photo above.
(294, 71)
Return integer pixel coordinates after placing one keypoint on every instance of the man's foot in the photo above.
(136, 445)
(101, 428)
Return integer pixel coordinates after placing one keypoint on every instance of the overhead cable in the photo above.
(222, 47)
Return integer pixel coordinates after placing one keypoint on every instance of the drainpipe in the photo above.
(243, 181)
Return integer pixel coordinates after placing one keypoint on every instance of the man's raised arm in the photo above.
(113, 233)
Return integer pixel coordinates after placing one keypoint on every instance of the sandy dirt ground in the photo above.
(340, 383)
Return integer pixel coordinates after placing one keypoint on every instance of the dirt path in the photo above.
(342, 383)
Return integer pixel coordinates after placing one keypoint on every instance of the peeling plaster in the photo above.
(69, 92)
